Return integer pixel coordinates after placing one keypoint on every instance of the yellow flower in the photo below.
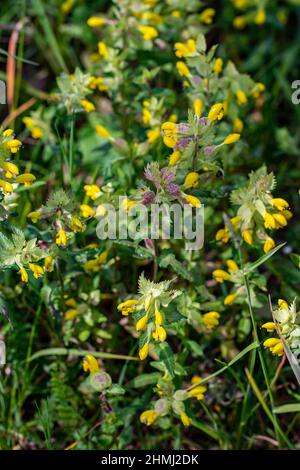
(218, 66)
(61, 238)
(152, 17)
(6, 187)
(269, 221)
(144, 351)
(95, 82)
(149, 33)
(148, 417)
(27, 179)
(211, 319)
(147, 116)
(280, 220)
(241, 97)
(71, 314)
(229, 299)
(87, 211)
(278, 349)
(270, 342)
(280, 204)
(269, 326)
(37, 132)
(71, 303)
(88, 105)
(37, 270)
(49, 264)
(269, 245)
(170, 141)
(102, 49)
(247, 236)
(67, 6)
(282, 304)
(192, 200)
(240, 22)
(92, 191)
(231, 138)
(196, 379)
(90, 364)
(160, 333)
(169, 130)
(28, 121)
(13, 145)
(153, 135)
(34, 216)
(241, 4)
(223, 235)
(232, 266)
(24, 275)
(76, 225)
(169, 127)
(142, 323)
(96, 21)
(207, 15)
(235, 221)
(158, 318)
(238, 125)
(186, 421)
(102, 131)
(174, 158)
(11, 169)
(126, 204)
(258, 89)
(198, 392)
(198, 107)
(191, 180)
(102, 258)
(183, 69)
(100, 211)
(220, 275)
(128, 306)
(185, 49)
(216, 112)
(8, 132)
(260, 16)
(275, 345)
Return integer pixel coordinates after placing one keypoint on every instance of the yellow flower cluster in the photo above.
(274, 218)
(10, 145)
(34, 127)
(220, 275)
(174, 401)
(37, 270)
(275, 345)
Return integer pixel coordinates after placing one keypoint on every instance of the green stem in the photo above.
(71, 148)
(76, 352)
(279, 433)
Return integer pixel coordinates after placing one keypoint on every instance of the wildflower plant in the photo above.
(135, 105)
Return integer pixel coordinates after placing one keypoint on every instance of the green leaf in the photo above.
(239, 356)
(288, 408)
(166, 356)
(77, 352)
(145, 379)
(169, 260)
(262, 259)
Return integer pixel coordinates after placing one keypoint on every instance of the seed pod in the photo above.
(100, 381)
